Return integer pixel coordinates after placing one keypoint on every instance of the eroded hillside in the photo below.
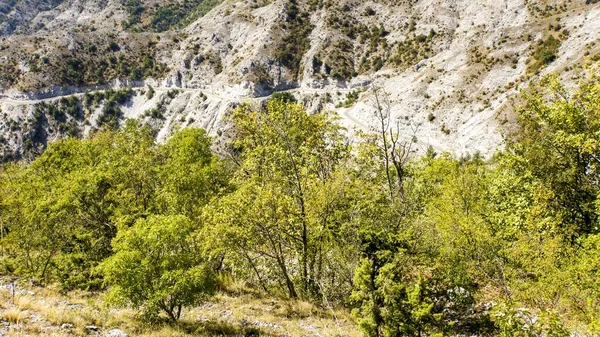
(450, 69)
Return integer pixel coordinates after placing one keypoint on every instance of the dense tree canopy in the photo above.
(428, 246)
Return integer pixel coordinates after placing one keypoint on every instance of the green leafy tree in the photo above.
(190, 173)
(543, 205)
(61, 212)
(280, 219)
(557, 145)
(159, 265)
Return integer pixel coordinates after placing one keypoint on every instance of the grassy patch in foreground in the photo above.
(45, 311)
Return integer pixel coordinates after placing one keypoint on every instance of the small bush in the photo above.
(285, 97)
(150, 92)
(73, 71)
(445, 129)
(351, 99)
(172, 93)
(369, 11)
(159, 266)
(114, 46)
(544, 54)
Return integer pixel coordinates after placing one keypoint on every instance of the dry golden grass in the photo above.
(238, 311)
(13, 315)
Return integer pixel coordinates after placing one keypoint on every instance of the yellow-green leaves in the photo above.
(159, 265)
(61, 211)
(279, 221)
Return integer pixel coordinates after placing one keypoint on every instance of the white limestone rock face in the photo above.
(455, 95)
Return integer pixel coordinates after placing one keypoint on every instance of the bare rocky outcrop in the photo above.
(116, 333)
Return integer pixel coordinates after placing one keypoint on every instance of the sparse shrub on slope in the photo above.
(173, 14)
(544, 54)
(73, 71)
(351, 98)
(413, 49)
(285, 97)
(295, 41)
(179, 14)
(111, 111)
(134, 9)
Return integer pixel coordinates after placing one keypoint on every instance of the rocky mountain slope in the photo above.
(448, 70)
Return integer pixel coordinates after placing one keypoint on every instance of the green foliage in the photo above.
(134, 9)
(150, 93)
(172, 93)
(339, 63)
(114, 46)
(432, 246)
(9, 72)
(167, 16)
(557, 145)
(73, 71)
(155, 112)
(62, 211)
(111, 111)
(215, 61)
(192, 174)
(199, 10)
(72, 107)
(61, 116)
(351, 98)
(295, 42)
(281, 219)
(548, 184)
(544, 54)
(358, 39)
(518, 322)
(176, 14)
(159, 266)
(78, 71)
(285, 97)
(524, 225)
(72, 193)
(417, 278)
(413, 50)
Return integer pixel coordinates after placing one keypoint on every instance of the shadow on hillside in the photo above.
(221, 328)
